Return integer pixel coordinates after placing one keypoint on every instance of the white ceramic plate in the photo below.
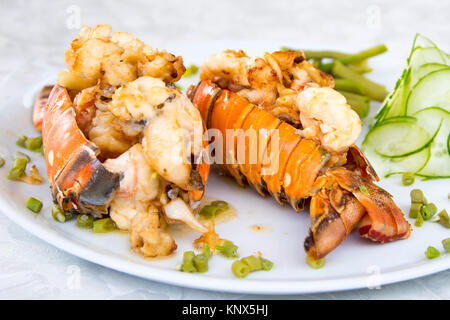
(356, 263)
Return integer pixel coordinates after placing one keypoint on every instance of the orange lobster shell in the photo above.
(341, 198)
(79, 182)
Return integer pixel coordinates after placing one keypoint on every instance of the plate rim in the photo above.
(246, 286)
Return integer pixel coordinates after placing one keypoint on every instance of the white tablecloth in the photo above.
(31, 268)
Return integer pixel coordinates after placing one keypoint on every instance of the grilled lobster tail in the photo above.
(292, 169)
(79, 182)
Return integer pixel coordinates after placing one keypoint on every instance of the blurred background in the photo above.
(42, 30)
(37, 28)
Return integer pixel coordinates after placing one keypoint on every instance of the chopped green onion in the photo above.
(407, 179)
(428, 211)
(444, 219)
(209, 211)
(432, 253)
(266, 264)
(254, 263)
(188, 256)
(228, 249)
(206, 252)
(196, 263)
(18, 169)
(240, 269)
(34, 205)
(190, 71)
(85, 221)
(200, 263)
(415, 210)
(364, 190)
(178, 87)
(34, 144)
(60, 215)
(188, 262)
(2, 162)
(21, 141)
(221, 204)
(419, 220)
(417, 196)
(103, 225)
(315, 264)
(188, 267)
(446, 244)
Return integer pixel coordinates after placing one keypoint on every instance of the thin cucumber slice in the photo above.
(424, 70)
(421, 56)
(424, 42)
(390, 166)
(396, 106)
(393, 105)
(398, 139)
(432, 90)
(439, 164)
(430, 118)
(409, 119)
(448, 144)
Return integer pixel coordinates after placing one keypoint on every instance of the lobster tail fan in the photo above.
(334, 214)
(384, 221)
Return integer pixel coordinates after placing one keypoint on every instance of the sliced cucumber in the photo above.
(390, 166)
(396, 106)
(424, 70)
(448, 144)
(424, 42)
(432, 90)
(421, 41)
(393, 105)
(394, 119)
(430, 118)
(395, 139)
(439, 164)
(412, 128)
(421, 56)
